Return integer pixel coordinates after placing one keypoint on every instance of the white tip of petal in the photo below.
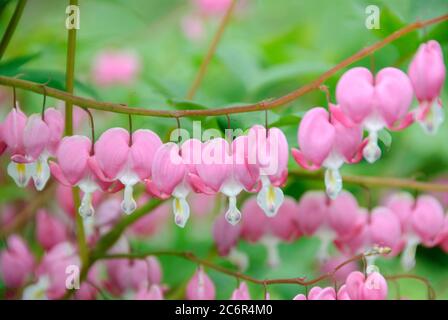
(372, 151)
(271, 245)
(408, 255)
(86, 208)
(37, 291)
(40, 173)
(233, 215)
(181, 211)
(20, 173)
(433, 120)
(333, 183)
(128, 205)
(270, 199)
(239, 258)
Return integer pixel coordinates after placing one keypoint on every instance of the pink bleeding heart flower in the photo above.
(193, 27)
(202, 204)
(169, 178)
(385, 230)
(16, 263)
(342, 273)
(402, 205)
(49, 230)
(212, 7)
(444, 236)
(154, 292)
(427, 72)
(64, 198)
(375, 102)
(126, 158)
(241, 293)
(345, 216)
(76, 166)
(3, 145)
(268, 149)
(343, 294)
(115, 68)
(318, 293)
(427, 226)
(325, 141)
(359, 241)
(151, 224)
(125, 275)
(12, 135)
(257, 227)
(200, 287)
(41, 136)
(53, 273)
(312, 219)
(224, 169)
(374, 287)
(226, 236)
(312, 212)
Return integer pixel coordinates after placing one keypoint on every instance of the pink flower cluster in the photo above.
(400, 224)
(357, 287)
(371, 103)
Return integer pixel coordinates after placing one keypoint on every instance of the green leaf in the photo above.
(11, 193)
(438, 33)
(385, 137)
(287, 72)
(186, 104)
(285, 121)
(223, 123)
(56, 79)
(391, 22)
(12, 67)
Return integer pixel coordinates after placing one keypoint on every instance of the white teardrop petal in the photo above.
(181, 211)
(20, 173)
(270, 199)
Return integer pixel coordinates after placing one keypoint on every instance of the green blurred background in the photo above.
(269, 48)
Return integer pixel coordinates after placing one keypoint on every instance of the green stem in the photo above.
(12, 26)
(109, 239)
(69, 86)
(69, 76)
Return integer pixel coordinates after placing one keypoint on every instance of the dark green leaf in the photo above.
(12, 67)
(56, 79)
(185, 104)
(391, 22)
(288, 120)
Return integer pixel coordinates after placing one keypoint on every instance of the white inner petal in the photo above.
(86, 209)
(238, 258)
(128, 205)
(372, 151)
(20, 173)
(40, 173)
(435, 117)
(38, 290)
(181, 211)
(233, 215)
(269, 198)
(271, 245)
(333, 183)
(408, 254)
